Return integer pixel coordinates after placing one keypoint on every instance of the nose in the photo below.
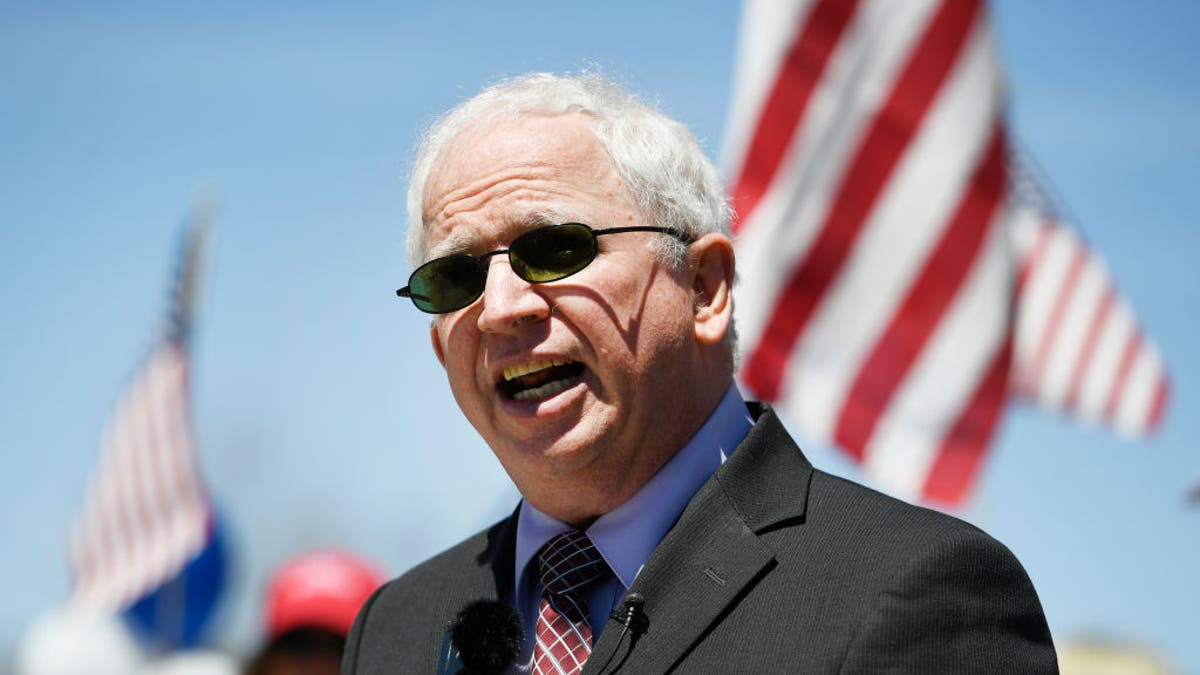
(508, 300)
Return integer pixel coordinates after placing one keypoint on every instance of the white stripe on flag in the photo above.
(1076, 313)
(1037, 309)
(1102, 375)
(1136, 408)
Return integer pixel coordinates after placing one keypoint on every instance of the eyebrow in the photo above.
(453, 243)
(461, 242)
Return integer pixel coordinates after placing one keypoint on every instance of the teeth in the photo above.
(548, 389)
(513, 372)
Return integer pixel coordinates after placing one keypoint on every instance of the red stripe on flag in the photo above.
(1035, 256)
(181, 466)
(1065, 293)
(1159, 406)
(786, 104)
(1023, 382)
(84, 555)
(958, 460)
(883, 145)
(171, 394)
(123, 530)
(1084, 362)
(1132, 346)
(139, 447)
(928, 300)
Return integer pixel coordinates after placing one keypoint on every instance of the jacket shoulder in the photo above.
(941, 594)
(867, 511)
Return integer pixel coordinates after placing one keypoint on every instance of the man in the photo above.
(572, 245)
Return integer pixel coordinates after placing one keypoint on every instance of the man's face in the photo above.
(607, 350)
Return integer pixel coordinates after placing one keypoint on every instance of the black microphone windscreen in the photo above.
(487, 635)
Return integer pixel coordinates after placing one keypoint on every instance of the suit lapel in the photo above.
(702, 565)
(499, 557)
(484, 573)
(713, 554)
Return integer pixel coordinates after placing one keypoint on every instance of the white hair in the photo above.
(671, 180)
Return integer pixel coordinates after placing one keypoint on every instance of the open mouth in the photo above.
(539, 380)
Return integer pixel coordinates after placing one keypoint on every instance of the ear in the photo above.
(435, 338)
(712, 287)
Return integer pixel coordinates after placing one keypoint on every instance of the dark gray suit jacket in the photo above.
(773, 567)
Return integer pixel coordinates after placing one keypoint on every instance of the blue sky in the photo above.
(322, 416)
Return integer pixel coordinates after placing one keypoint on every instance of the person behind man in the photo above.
(310, 605)
(572, 245)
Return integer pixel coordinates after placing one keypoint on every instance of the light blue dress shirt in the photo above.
(628, 534)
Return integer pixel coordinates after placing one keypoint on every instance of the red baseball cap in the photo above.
(321, 589)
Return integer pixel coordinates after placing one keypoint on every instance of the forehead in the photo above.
(501, 176)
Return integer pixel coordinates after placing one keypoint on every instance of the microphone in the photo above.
(632, 614)
(632, 617)
(487, 636)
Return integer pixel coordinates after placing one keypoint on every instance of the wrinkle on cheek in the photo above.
(451, 340)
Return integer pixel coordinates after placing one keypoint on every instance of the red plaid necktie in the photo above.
(567, 564)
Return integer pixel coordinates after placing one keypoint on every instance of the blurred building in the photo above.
(1097, 656)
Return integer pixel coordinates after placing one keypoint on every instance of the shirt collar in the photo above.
(628, 534)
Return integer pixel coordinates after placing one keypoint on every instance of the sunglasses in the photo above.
(547, 253)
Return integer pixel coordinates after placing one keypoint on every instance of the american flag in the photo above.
(1079, 348)
(898, 281)
(147, 512)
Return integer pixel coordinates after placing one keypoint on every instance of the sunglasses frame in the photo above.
(518, 264)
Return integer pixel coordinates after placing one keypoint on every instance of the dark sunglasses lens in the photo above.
(446, 284)
(554, 252)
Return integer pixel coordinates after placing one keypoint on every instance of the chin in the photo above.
(565, 466)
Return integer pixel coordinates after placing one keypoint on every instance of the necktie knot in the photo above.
(569, 562)
(566, 564)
